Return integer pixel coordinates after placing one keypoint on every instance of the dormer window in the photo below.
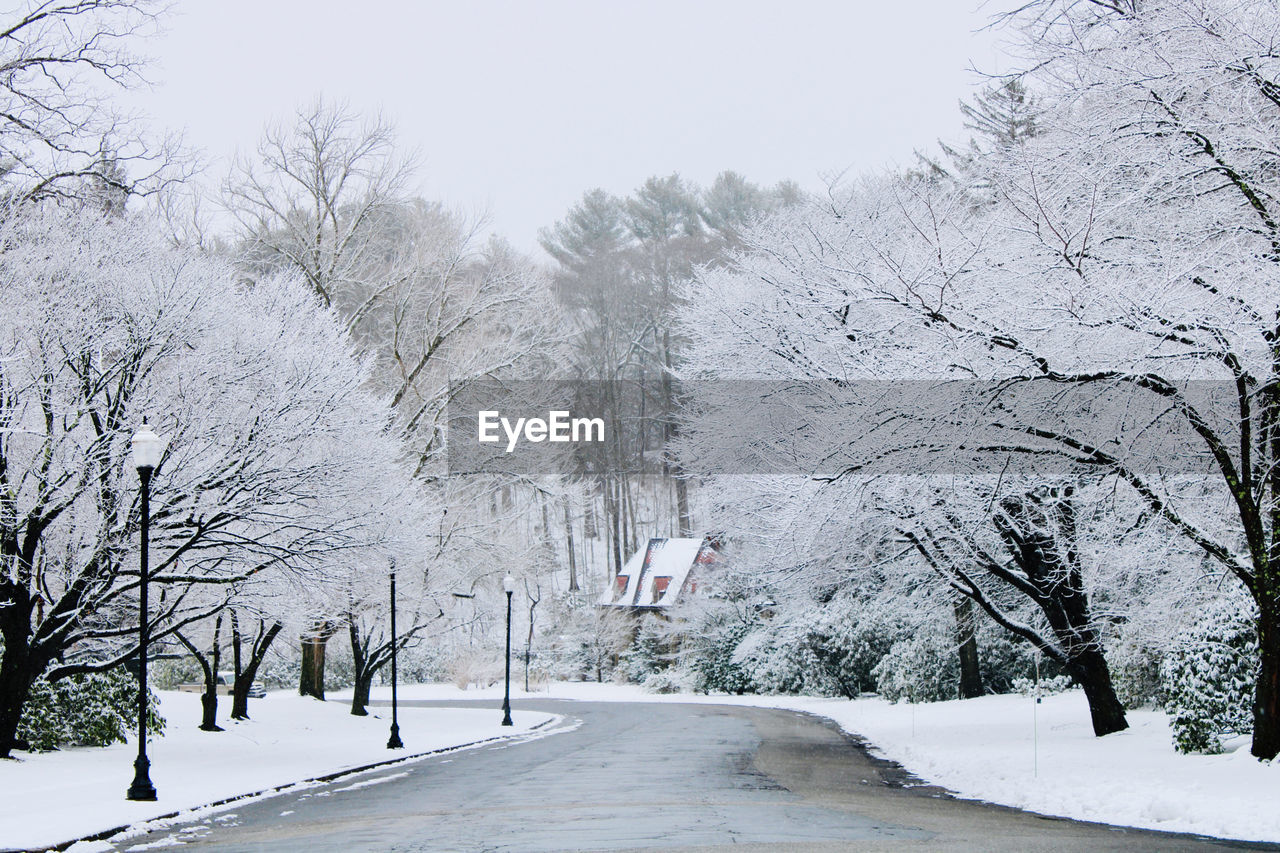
(659, 588)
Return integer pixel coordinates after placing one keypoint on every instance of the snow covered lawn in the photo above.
(57, 796)
(1008, 750)
(1005, 749)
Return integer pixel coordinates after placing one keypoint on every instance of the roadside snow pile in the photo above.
(1009, 750)
(57, 796)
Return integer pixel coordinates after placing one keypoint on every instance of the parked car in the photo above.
(226, 686)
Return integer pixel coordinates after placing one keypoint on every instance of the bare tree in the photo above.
(534, 594)
(59, 136)
(421, 295)
(416, 287)
(307, 199)
(247, 659)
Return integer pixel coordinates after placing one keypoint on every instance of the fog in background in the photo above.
(517, 108)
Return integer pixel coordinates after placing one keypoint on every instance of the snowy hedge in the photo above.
(922, 668)
(97, 709)
(1209, 676)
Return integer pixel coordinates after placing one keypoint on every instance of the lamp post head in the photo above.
(147, 448)
(509, 584)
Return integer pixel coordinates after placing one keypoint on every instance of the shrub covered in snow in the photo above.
(1003, 659)
(846, 648)
(1208, 678)
(581, 642)
(1135, 674)
(1049, 686)
(423, 662)
(920, 668)
(168, 674)
(817, 649)
(646, 655)
(777, 658)
(281, 669)
(96, 709)
(476, 667)
(673, 680)
(713, 653)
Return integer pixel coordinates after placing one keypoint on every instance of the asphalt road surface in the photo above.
(647, 777)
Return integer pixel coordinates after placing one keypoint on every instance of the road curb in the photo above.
(106, 834)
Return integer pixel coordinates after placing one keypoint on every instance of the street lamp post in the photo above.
(394, 742)
(147, 449)
(509, 585)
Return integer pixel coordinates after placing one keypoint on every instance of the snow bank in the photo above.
(57, 796)
(1044, 758)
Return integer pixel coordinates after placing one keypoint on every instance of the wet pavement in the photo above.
(621, 776)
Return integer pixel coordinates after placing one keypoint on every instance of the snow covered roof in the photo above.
(655, 575)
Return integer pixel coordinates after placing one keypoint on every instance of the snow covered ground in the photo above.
(1006, 749)
(1009, 750)
(57, 796)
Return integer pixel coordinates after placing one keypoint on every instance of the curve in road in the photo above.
(618, 776)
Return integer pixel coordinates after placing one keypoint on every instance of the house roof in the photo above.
(655, 575)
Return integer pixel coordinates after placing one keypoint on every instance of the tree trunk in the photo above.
(589, 530)
(208, 698)
(1088, 666)
(573, 559)
(246, 676)
(615, 528)
(312, 659)
(237, 666)
(684, 522)
(967, 640)
(240, 698)
(1040, 531)
(17, 674)
(209, 708)
(20, 665)
(634, 537)
(627, 514)
(1089, 669)
(14, 689)
(311, 681)
(360, 695)
(209, 701)
(360, 668)
(528, 641)
(682, 506)
(1266, 702)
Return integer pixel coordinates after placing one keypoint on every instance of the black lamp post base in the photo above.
(506, 716)
(141, 789)
(395, 742)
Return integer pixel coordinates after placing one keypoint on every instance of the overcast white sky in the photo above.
(517, 108)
